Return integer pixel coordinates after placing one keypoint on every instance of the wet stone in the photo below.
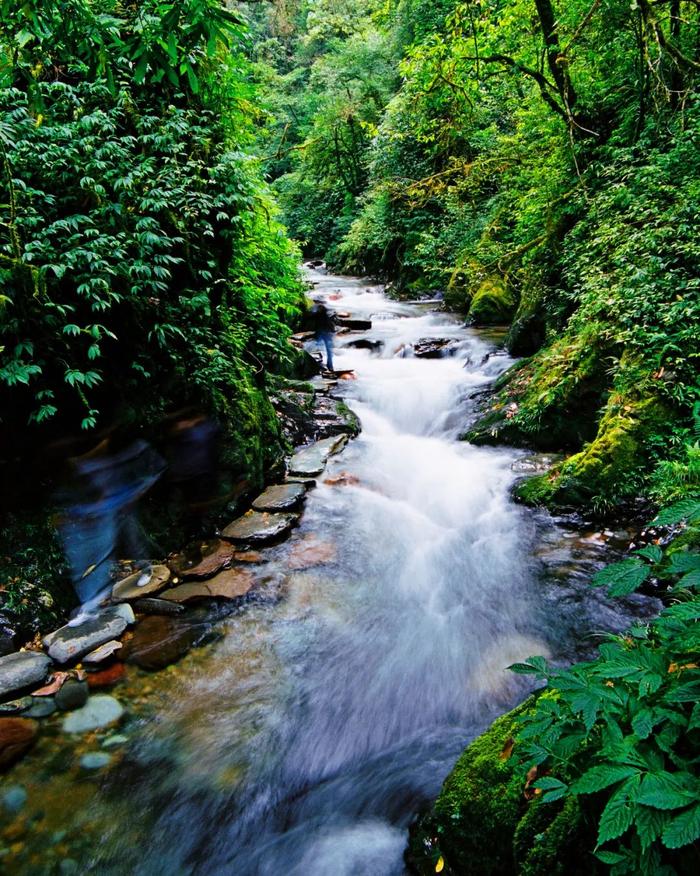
(16, 707)
(14, 798)
(95, 760)
(158, 606)
(17, 736)
(72, 695)
(228, 584)
(99, 711)
(104, 652)
(105, 677)
(214, 557)
(259, 527)
(21, 670)
(41, 707)
(114, 741)
(310, 461)
(159, 641)
(281, 497)
(72, 642)
(140, 584)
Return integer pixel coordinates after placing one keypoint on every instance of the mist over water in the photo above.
(310, 735)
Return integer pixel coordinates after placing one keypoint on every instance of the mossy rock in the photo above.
(549, 402)
(482, 825)
(493, 303)
(612, 467)
(528, 329)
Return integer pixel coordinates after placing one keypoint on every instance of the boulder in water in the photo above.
(259, 527)
(310, 461)
(71, 642)
(280, 497)
(159, 641)
(229, 584)
(17, 735)
(99, 711)
(21, 670)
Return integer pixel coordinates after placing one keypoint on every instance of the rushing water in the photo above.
(307, 737)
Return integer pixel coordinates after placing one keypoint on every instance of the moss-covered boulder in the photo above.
(549, 402)
(493, 303)
(612, 467)
(483, 825)
(528, 330)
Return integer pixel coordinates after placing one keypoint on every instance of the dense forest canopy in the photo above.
(539, 162)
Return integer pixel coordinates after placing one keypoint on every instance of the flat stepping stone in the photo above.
(281, 497)
(229, 584)
(104, 652)
(159, 641)
(99, 711)
(70, 643)
(310, 461)
(259, 527)
(140, 584)
(153, 605)
(21, 670)
(214, 557)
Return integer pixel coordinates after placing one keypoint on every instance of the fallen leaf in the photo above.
(56, 683)
(440, 866)
(507, 749)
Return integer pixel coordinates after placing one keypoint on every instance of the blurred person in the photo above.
(98, 510)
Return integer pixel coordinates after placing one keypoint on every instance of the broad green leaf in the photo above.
(663, 791)
(602, 776)
(686, 509)
(615, 820)
(622, 578)
(683, 829)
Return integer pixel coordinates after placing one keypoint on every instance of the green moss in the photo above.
(550, 401)
(482, 825)
(528, 330)
(493, 303)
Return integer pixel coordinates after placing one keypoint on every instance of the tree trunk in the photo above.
(557, 65)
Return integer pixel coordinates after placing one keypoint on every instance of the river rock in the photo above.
(95, 760)
(70, 643)
(357, 325)
(21, 670)
(310, 461)
(14, 798)
(281, 497)
(144, 583)
(17, 735)
(72, 695)
(229, 584)
(16, 707)
(99, 711)
(104, 652)
(107, 677)
(433, 348)
(159, 641)
(41, 707)
(259, 527)
(214, 557)
(310, 551)
(7, 635)
(158, 606)
(366, 344)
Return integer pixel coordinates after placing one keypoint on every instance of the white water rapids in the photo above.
(305, 740)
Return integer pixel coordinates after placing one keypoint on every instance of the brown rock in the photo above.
(310, 551)
(17, 735)
(344, 479)
(228, 584)
(159, 641)
(259, 527)
(216, 555)
(141, 584)
(249, 557)
(106, 677)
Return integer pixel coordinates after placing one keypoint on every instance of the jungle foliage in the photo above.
(141, 264)
(539, 162)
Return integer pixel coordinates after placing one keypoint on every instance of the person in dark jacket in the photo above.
(324, 329)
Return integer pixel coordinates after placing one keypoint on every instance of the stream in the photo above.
(331, 707)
